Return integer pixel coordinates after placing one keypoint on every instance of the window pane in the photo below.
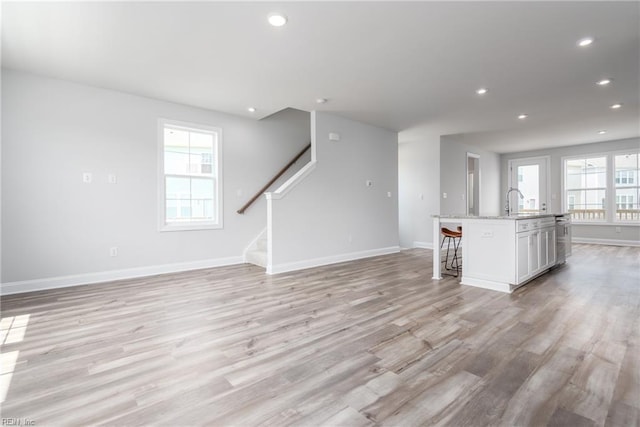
(201, 188)
(172, 210)
(202, 141)
(200, 163)
(530, 188)
(176, 151)
(594, 199)
(175, 161)
(575, 167)
(596, 171)
(575, 204)
(627, 162)
(627, 206)
(574, 181)
(202, 209)
(178, 188)
(176, 138)
(185, 212)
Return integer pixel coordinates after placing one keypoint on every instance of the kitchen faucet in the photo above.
(507, 207)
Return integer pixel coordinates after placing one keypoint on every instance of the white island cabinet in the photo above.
(502, 253)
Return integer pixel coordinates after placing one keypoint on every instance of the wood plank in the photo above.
(369, 342)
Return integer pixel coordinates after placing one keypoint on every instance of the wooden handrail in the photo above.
(278, 175)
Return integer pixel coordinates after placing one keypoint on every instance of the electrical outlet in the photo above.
(113, 251)
(112, 179)
(87, 177)
(388, 193)
(444, 195)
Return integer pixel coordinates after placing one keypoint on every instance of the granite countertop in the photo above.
(513, 217)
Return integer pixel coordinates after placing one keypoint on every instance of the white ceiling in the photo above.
(411, 67)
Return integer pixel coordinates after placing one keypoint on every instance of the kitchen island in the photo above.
(500, 252)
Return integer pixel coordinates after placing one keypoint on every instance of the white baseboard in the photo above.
(486, 284)
(610, 242)
(423, 245)
(107, 276)
(334, 259)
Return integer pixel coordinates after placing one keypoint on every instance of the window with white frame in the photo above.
(190, 187)
(626, 186)
(586, 188)
(603, 187)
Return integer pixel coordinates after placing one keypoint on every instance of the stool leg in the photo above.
(456, 245)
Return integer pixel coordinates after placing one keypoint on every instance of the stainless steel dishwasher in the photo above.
(563, 238)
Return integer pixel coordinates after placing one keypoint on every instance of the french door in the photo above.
(531, 177)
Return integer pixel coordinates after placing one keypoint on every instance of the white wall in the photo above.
(433, 165)
(55, 226)
(593, 233)
(453, 176)
(331, 215)
(419, 187)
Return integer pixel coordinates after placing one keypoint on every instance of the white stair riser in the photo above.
(258, 258)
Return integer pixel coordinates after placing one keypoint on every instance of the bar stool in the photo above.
(452, 237)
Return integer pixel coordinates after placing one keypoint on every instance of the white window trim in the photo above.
(218, 203)
(610, 189)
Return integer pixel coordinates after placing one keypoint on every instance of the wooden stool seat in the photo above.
(450, 233)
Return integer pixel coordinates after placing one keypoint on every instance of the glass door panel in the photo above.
(529, 176)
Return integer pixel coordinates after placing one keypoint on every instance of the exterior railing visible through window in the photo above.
(603, 188)
(599, 214)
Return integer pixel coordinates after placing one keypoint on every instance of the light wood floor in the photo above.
(371, 342)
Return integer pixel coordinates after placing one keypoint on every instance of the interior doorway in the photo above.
(473, 184)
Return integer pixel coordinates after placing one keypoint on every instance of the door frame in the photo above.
(536, 159)
(476, 200)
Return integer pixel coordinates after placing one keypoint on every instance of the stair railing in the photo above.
(274, 179)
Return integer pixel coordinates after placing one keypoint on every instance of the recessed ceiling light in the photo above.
(482, 91)
(523, 116)
(251, 109)
(604, 82)
(277, 19)
(585, 41)
(602, 132)
(616, 106)
(321, 101)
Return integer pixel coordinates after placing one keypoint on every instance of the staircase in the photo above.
(256, 253)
